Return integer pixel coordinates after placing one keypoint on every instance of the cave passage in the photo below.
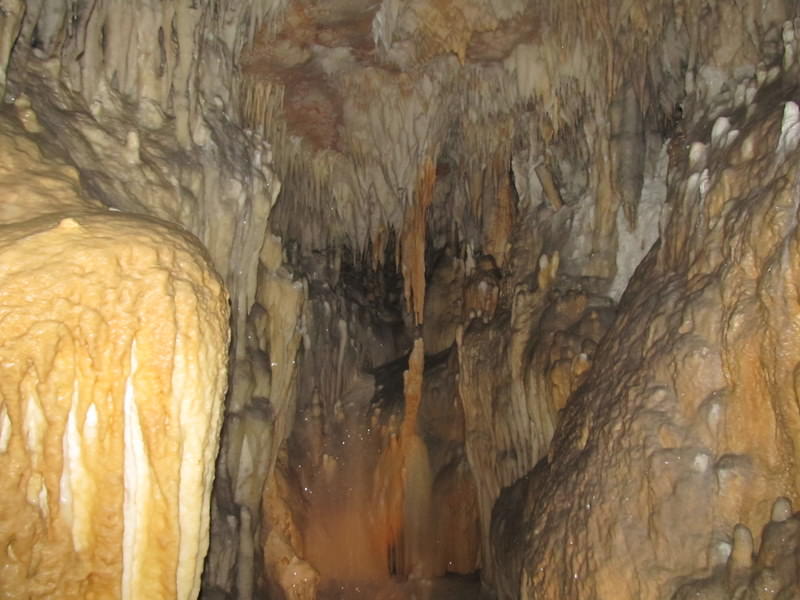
(385, 501)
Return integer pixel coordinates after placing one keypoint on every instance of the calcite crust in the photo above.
(113, 353)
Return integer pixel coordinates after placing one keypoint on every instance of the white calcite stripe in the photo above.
(136, 486)
(790, 128)
(71, 471)
(5, 429)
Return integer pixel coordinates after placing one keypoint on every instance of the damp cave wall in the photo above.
(540, 149)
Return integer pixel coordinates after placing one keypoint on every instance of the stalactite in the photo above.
(358, 112)
(411, 244)
(163, 58)
(549, 186)
(172, 69)
(689, 387)
(627, 149)
(606, 203)
(11, 14)
(511, 386)
(575, 71)
(500, 213)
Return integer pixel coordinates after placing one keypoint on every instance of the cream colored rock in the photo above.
(139, 97)
(112, 372)
(32, 187)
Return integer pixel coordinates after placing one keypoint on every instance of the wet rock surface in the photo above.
(685, 425)
(455, 346)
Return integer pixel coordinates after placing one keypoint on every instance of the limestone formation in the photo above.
(512, 294)
(694, 387)
(771, 572)
(114, 349)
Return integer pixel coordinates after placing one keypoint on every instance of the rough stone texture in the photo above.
(286, 572)
(378, 487)
(113, 353)
(687, 422)
(138, 98)
(11, 14)
(358, 97)
(513, 386)
(488, 175)
(771, 572)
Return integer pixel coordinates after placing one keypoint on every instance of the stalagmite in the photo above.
(114, 351)
(704, 387)
(139, 97)
(773, 573)
(412, 391)
(416, 474)
(404, 484)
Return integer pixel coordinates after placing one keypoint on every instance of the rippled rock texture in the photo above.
(113, 358)
(687, 423)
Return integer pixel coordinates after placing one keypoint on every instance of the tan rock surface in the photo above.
(112, 372)
(138, 97)
(530, 139)
(513, 387)
(769, 572)
(687, 423)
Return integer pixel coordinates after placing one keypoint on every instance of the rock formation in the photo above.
(113, 353)
(698, 401)
(771, 572)
(512, 297)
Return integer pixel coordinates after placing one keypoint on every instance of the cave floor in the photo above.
(443, 588)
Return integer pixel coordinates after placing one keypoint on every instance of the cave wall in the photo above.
(138, 99)
(515, 162)
(694, 387)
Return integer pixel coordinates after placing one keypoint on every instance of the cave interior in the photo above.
(394, 299)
